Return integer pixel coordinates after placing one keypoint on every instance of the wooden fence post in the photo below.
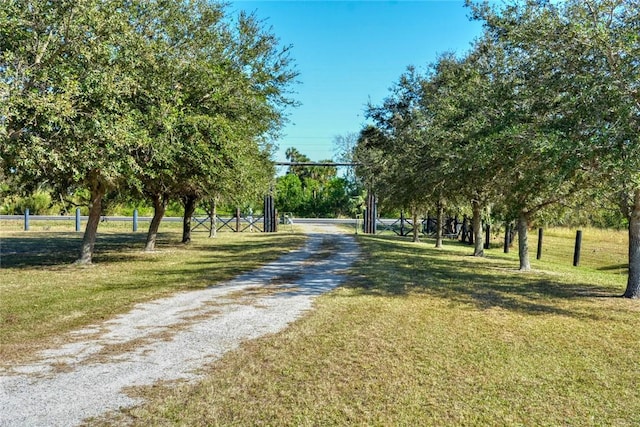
(370, 215)
(576, 251)
(507, 237)
(487, 236)
(270, 219)
(275, 220)
(539, 253)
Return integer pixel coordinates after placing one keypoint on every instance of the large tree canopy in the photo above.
(69, 76)
(581, 80)
(544, 107)
(164, 97)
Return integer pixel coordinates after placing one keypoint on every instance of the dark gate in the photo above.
(370, 214)
(270, 215)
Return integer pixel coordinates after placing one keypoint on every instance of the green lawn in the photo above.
(427, 337)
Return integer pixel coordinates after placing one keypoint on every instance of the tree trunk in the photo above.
(98, 191)
(213, 213)
(478, 238)
(439, 224)
(416, 236)
(189, 208)
(523, 242)
(633, 282)
(160, 202)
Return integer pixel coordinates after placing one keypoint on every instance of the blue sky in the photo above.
(351, 52)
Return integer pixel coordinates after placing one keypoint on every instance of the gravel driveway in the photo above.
(171, 338)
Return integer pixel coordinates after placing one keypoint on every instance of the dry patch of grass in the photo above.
(432, 337)
(44, 295)
(252, 295)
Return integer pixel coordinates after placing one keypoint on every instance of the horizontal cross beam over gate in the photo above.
(327, 164)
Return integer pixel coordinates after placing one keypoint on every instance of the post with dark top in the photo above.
(26, 219)
(576, 252)
(487, 236)
(266, 223)
(507, 232)
(539, 254)
(270, 219)
(275, 220)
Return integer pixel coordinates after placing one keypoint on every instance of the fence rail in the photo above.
(221, 220)
(604, 249)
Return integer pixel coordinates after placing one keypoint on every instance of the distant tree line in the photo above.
(316, 191)
(140, 100)
(542, 114)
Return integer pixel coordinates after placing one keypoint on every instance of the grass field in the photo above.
(418, 336)
(427, 337)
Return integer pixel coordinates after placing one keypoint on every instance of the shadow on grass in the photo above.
(60, 248)
(395, 268)
(202, 263)
(617, 268)
(229, 260)
(52, 249)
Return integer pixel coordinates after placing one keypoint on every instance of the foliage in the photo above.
(39, 203)
(580, 85)
(542, 112)
(314, 191)
(67, 78)
(150, 97)
(289, 195)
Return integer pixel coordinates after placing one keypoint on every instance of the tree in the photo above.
(229, 82)
(583, 73)
(162, 97)
(404, 176)
(289, 194)
(318, 186)
(459, 153)
(344, 150)
(335, 198)
(604, 46)
(68, 74)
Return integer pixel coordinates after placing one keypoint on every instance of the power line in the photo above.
(315, 164)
